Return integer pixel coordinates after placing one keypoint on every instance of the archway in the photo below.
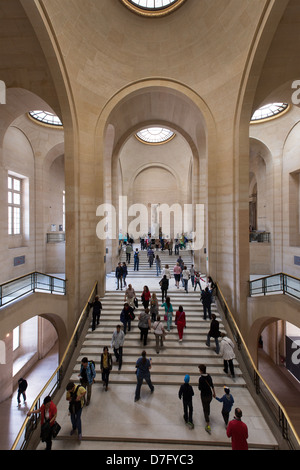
(139, 106)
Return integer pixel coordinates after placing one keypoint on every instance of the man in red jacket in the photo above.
(238, 432)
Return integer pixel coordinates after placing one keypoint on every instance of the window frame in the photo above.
(14, 226)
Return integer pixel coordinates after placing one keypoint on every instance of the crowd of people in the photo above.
(156, 318)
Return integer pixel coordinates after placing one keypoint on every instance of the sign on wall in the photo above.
(293, 355)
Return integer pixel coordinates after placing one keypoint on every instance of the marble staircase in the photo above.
(114, 421)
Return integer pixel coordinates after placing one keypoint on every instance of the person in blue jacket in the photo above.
(143, 366)
(227, 400)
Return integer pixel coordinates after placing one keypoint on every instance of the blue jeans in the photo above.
(217, 343)
(185, 284)
(140, 378)
(207, 309)
(136, 265)
(76, 420)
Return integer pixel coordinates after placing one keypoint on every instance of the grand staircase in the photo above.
(114, 421)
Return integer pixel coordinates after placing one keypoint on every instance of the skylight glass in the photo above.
(153, 4)
(46, 118)
(155, 135)
(152, 8)
(269, 111)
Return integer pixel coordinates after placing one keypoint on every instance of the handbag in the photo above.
(55, 429)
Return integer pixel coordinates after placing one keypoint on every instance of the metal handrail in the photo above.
(58, 370)
(283, 418)
(33, 285)
(282, 286)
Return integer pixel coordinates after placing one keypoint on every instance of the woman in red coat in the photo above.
(48, 412)
(146, 296)
(180, 322)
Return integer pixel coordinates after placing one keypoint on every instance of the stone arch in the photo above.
(139, 105)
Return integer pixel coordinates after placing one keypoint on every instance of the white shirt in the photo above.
(158, 328)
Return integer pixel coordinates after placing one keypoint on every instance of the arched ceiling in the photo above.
(159, 106)
(281, 66)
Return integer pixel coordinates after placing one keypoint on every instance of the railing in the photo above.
(271, 403)
(54, 383)
(283, 283)
(32, 282)
(259, 236)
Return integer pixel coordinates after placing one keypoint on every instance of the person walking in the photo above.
(87, 376)
(144, 325)
(150, 254)
(129, 250)
(197, 280)
(143, 366)
(185, 277)
(119, 276)
(130, 295)
(166, 272)
(153, 307)
(192, 273)
(227, 400)
(124, 273)
(75, 396)
(158, 265)
(214, 332)
(238, 431)
(126, 316)
(207, 392)
(159, 333)
(186, 392)
(105, 366)
(48, 412)
(117, 343)
(97, 308)
(206, 301)
(177, 273)
(164, 285)
(180, 322)
(227, 352)
(168, 313)
(136, 260)
(22, 387)
(145, 297)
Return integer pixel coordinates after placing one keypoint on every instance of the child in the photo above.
(227, 401)
(186, 392)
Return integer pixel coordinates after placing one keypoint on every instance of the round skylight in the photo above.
(46, 118)
(152, 7)
(269, 111)
(153, 4)
(155, 135)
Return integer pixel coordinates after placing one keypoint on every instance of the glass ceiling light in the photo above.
(269, 111)
(155, 135)
(44, 117)
(152, 7)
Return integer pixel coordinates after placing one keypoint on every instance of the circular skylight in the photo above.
(155, 135)
(46, 118)
(269, 111)
(153, 4)
(153, 7)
